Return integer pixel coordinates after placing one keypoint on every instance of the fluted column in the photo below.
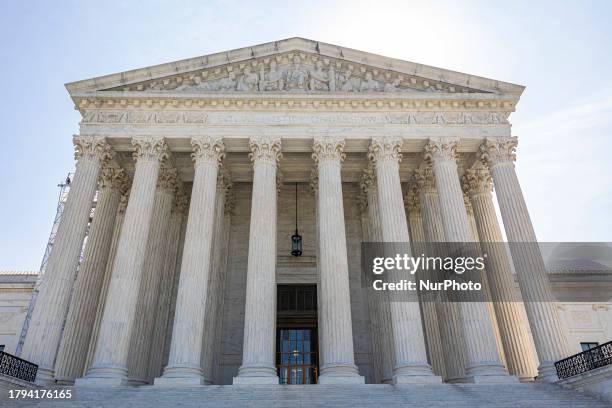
(483, 362)
(72, 352)
(549, 338)
(142, 333)
(45, 330)
(427, 302)
(411, 364)
(179, 209)
(513, 330)
(451, 333)
(383, 311)
(184, 364)
(108, 269)
(219, 325)
(336, 344)
(485, 280)
(216, 276)
(109, 366)
(259, 344)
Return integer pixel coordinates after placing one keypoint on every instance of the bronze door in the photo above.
(297, 356)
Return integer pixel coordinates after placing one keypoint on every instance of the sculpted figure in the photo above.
(273, 80)
(347, 82)
(296, 76)
(156, 85)
(195, 83)
(248, 82)
(369, 84)
(227, 84)
(319, 79)
(393, 86)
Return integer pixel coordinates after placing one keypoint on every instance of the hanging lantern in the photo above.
(296, 239)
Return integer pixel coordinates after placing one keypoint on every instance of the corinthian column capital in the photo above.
(498, 150)
(368, 180)
(168, 179)
(314, 181)
(92, 148)
(384, 148)
(150, 148)
(424, 179)
(412, 200)
(328, 148)
(181, 203)
(265, 149)
(440, 149)
(224, 182)
(114, 178)
(207, 148)
(477, 181)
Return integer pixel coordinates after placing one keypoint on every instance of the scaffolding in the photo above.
(61, 202)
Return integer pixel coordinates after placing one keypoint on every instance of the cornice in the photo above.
(317, 102)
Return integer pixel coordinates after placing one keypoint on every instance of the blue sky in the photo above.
(562, 52)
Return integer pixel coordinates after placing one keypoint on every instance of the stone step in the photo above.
(353, 396)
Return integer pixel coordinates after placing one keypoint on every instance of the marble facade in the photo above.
(195, 162)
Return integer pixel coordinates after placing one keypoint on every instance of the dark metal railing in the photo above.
(586, 361)
(17, 367)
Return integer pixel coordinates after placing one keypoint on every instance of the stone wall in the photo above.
(15, 292)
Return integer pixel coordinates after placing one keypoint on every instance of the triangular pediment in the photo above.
(295, 65)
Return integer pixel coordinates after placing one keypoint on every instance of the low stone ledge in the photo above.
(597, 382)
(11, 383)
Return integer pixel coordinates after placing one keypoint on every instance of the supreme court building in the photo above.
(203, 169)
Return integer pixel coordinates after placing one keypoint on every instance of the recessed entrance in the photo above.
(297, 357)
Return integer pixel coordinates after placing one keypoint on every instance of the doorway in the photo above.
(297, 357)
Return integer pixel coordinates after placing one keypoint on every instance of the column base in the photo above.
(64, 381)
(415, 374)
(260, 375)
(340, 374)
(488, 374)
(137, 381)
(547, 373)
(45, 376)
(104, 377)
(182, 376)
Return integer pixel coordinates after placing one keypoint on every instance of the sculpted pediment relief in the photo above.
(294, 72)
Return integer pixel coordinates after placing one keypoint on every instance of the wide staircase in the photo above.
(430, 396)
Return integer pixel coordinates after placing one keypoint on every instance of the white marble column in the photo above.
(146, 306)
(108, 269)
(383, 311)
(184, 364)
(373, 304)
(259, 344)
(336, 343)
(427, 302)
(158, 343)
(216, 276)
(451, 333)
(224, 258)
(485, 280)
(72, 352)
(109, 366)
(513, 330)
(550, 340)
(411, 364)
(483, 362)
(45, 330)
